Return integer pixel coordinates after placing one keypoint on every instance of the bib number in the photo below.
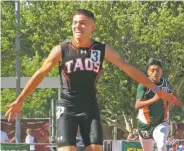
(60, 110)
(145, 134)
(95, 56)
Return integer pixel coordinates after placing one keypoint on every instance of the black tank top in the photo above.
(79, 71)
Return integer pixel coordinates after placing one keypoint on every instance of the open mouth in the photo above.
(78, 32)
(155, 76)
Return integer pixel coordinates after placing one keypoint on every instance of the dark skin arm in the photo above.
(180, 103)
(51, 61)
(113, 56)
(140, 103)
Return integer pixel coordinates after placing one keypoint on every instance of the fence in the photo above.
(124, 145)
(108, 145)
(38, 147)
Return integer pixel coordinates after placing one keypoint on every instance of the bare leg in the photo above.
(147, 144)
(94, 147)
(67, 148)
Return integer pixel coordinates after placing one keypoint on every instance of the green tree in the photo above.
(137, 30)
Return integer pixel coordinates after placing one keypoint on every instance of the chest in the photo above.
(82, 59)
(164, 86)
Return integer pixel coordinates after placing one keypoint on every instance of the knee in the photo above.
(94, 147)
(161, 146)
(65, 142)
(97, 140)
(66, 148)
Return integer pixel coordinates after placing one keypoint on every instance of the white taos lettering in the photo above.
(96, 67)
(79, 64)
(68, 65)
(88, 64)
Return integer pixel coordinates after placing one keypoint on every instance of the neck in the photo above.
(155, 81)
(82, 43)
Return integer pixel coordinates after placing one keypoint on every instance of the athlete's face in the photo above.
(82, 27)
(155, 73)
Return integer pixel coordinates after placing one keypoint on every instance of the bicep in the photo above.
(140, 100)
(52, 60)
(140, 92)
(139, 103)
(140, 95)
(113, 56)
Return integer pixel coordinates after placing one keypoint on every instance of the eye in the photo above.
(74, 22)
(83, 23)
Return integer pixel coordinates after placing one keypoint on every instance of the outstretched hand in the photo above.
(14, 109)
(168, 97)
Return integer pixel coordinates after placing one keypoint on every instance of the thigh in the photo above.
(91, 131)
(160, 133)
(66, 130)
(94, 148)
(67, 148)
(147, 144)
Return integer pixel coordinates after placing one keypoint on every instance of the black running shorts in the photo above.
(90, 129)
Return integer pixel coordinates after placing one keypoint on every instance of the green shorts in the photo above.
(145, 130)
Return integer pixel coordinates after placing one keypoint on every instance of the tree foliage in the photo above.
(137, 30)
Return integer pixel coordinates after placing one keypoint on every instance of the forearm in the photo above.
(32, 84)
(136, 74)
(140, 104)
(180, 103)
(112, 56)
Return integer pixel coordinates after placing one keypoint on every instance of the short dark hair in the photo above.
(153, 61)
(84, 12)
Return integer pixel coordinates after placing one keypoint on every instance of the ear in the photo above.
(162, 71)
(148, 73)
(93, 27)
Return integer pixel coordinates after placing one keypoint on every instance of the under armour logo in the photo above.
(60, 138)
(83, 51)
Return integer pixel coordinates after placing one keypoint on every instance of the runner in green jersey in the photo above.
(153, 112)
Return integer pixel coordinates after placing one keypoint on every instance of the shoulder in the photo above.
(55, 50)
(65, 47)
(167, 84)
(66, 43)
(98, 46)
(165, 80)
(141, 91)
(141, 87)
(54, 53)
(98, 43)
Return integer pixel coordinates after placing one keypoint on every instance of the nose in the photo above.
(77, 25)
(155, 72)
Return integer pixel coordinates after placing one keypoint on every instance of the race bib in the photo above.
(60, 110)
(95, 56)
(145, 134)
